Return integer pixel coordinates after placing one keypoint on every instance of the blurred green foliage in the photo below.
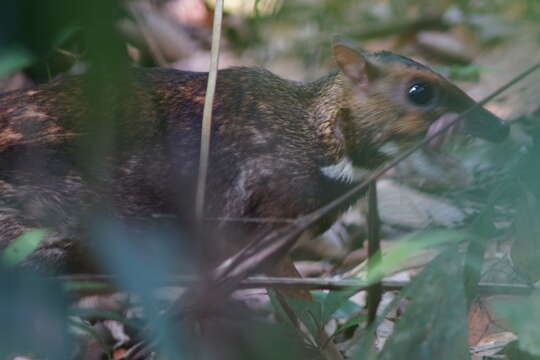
(33, 317)
(523, 315)
(316, 314)
(22, 247)
(12, 60)
(409, 247)
(434, 325)
(32, 33)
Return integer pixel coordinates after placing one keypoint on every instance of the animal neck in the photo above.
(349, 148)
(325, 108)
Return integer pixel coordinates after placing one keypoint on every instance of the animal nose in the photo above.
(483, 124)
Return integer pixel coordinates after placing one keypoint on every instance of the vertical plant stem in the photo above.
(374, 292)
(207, 112)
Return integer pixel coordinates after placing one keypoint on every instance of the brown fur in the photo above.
(270, 139)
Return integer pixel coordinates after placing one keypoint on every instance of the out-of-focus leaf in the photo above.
(13, 60)
(409, 247)
(524, 317)
(466, 73)
(33, 317)
(435, 321)
(85, 286)
(23, 246)
(470, 72)
(141, 257)
(526, 246)
(65, 35)
(482, 229)
(264, 341)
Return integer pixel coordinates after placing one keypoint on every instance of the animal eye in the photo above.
(421, 93)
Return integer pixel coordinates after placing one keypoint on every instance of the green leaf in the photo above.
(523, 316)
(337, 302)
(315, 314)
(308, 312)
(13, 60)
(434, 325)
(409, 247)
(85, 286)
(526, 246)
(22, 247)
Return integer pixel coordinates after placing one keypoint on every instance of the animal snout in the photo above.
(483, 124)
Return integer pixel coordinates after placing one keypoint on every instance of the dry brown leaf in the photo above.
(479, 322)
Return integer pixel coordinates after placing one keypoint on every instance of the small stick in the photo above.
(250, 220)
(207, 111)
(255, 282)
(374, 292)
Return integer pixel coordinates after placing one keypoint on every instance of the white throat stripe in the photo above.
(390, 149)
(345, 171)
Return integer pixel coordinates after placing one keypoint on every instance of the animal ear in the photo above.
(353, 61)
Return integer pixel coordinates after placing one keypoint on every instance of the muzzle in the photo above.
(479, 123)
(483, 124)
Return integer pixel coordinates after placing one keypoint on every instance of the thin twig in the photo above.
(250, 220)
(255, 282)
(207, 111)
(300, 327)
